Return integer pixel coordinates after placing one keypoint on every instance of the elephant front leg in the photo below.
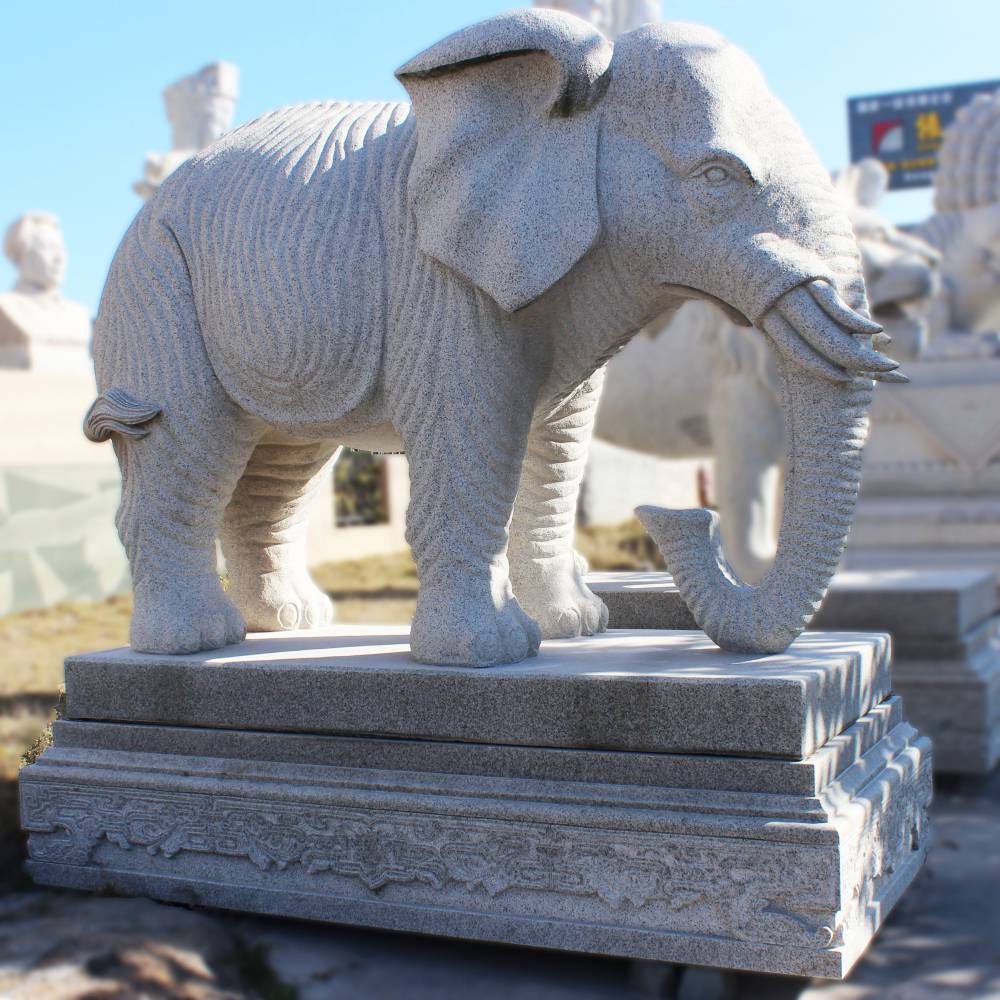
(546, 571)
(463, 479)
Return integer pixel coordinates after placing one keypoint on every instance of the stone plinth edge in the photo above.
(651, 691)
(945, 638)
(777, 883)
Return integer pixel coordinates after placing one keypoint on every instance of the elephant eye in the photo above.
(715, 174)
(722, 170)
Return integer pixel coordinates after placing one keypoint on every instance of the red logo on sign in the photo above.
(887, 136)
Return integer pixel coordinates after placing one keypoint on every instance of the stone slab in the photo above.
(956, 701)
(946, 654)
(984, 556)
(913, 604)
(646, 600)
(955, 527)
(793, 884)
(805, 777)
(648, 691)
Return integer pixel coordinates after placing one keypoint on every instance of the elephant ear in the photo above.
(504, 180)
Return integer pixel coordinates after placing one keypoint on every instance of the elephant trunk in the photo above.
(826, 388)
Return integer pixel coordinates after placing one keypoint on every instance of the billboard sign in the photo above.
(904, 130)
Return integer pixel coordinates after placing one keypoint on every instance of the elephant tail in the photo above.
(116, 412)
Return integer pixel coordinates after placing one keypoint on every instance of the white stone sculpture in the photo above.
(902, 271)
(932, 468)
(39, 328)
(931, 485)
(450, 279)
(696, 384)
(200, 109)
(966, 231)
(612, 17)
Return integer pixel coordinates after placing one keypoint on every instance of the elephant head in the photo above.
(542, 150)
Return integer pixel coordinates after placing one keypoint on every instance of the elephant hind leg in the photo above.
(264, 535)
(181, 441)
(176, 481)
(546, 572)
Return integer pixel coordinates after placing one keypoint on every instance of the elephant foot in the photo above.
(280, 600)
(555, 595)
(184, 614)
(457, 630)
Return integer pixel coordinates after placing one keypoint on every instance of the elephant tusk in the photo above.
(788, 343)
(838, 310)
(820, 331)
(895, 377)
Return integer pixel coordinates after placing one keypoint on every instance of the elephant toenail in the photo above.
(288, 615)
(517, 643)
(487, 649)
(568, 622)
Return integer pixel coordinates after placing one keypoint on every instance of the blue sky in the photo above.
(81, 81)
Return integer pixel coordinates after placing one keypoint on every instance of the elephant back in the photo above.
(288, 229)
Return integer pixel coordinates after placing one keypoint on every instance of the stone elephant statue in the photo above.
(450, 279)
(697, 385)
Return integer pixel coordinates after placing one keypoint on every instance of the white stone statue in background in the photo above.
(931, 488)
(39, 328)
(450, 279)
(612, 17)
(902, 270)
(966, 231)
(696, 384)
(200, 109)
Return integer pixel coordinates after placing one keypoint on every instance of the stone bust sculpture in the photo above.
(200, 109)
(39, 329)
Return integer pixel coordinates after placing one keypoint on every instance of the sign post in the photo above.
(904, 130)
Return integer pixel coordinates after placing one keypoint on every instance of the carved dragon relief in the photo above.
(753, 894)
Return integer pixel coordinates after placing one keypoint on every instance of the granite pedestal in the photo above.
(945, 627)
(638, 793)
(930, 486)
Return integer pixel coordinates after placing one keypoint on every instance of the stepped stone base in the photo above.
(638, 794)
(984, 557)
(946, 644)
(931, 479)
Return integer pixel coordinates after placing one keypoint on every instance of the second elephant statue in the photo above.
(451, 278)
(697, 385)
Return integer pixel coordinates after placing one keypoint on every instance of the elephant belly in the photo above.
(381, 438)
(303, 383)
(283, 227)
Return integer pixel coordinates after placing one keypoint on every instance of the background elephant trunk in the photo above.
(827, 387)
